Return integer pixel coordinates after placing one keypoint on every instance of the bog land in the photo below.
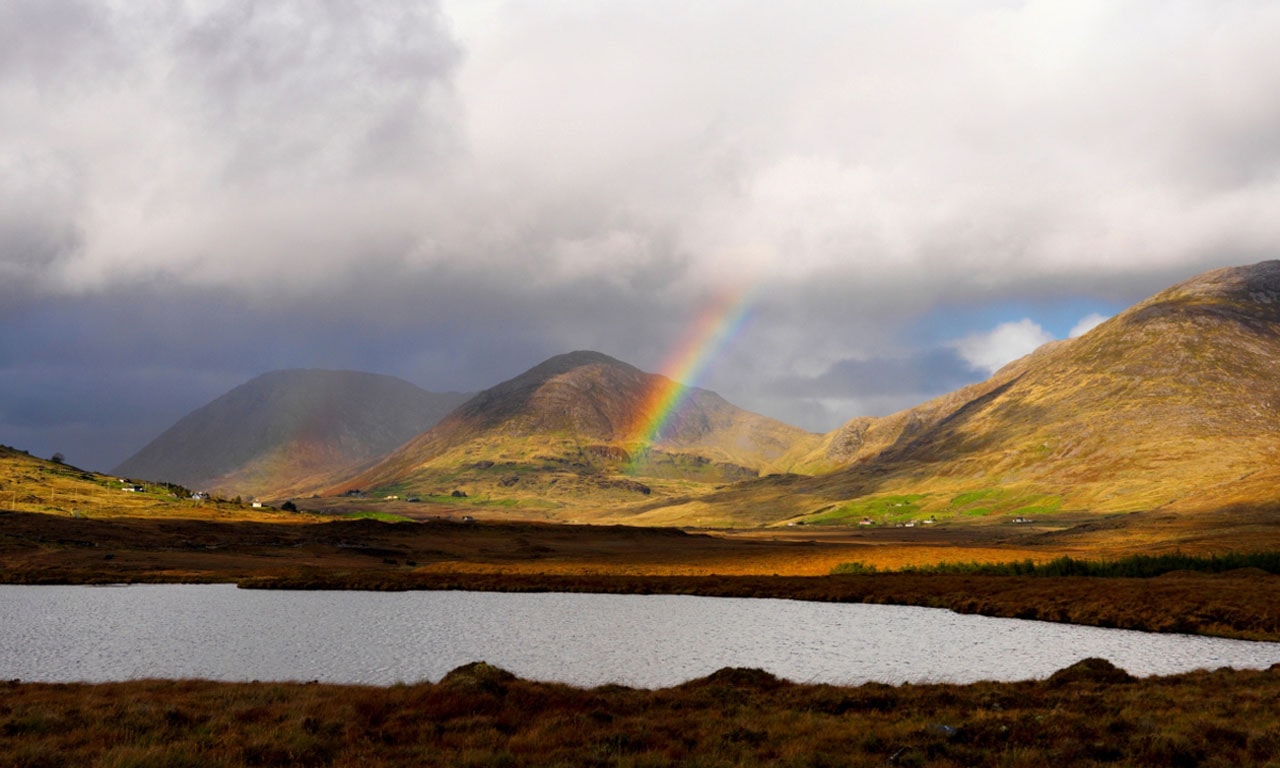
(447, 549)
(1088, 714)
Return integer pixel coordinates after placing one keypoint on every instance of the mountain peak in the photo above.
(551, 394)
(577, 359)
(1254, 282)
(282, 427)
(560, 365)
(1252, 290)
(575, 418)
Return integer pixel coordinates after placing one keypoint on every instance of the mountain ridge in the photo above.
(1171, 404)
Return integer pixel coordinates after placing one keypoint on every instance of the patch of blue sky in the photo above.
(1058, 316)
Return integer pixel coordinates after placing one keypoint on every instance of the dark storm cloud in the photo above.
(933, 372)
(98, 377)
(96, 417)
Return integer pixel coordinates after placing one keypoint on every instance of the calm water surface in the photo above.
(71, 633)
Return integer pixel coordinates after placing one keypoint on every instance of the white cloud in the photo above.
(949, 145)
(1086, 324)
(1007, 342)
(229, 144)
(980, 143)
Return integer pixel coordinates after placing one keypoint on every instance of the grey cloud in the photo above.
(560, 131)
(931, 372)
(235, 144)
(322, 88)
(51, 43)
(847, 388)
(38, 206)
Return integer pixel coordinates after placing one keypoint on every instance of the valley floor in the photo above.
(783, 563)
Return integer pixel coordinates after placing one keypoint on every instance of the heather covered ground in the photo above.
(478, 715)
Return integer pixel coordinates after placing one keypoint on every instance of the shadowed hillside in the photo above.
(289, 430)
(1170, 405)
(565, 432)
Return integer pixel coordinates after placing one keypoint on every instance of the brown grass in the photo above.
(478, 715)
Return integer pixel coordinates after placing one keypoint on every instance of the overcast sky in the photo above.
(195, 193)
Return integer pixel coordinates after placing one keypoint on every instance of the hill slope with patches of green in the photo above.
(32, 484)
(1171, 405)
(563, 434)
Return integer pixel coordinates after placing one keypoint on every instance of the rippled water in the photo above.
(70, 633)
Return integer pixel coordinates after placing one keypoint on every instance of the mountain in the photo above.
(287, 431)
(1172, 405)
(568, 431)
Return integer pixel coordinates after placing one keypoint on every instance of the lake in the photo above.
(219, 632)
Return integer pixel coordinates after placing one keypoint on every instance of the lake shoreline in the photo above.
(514, 557)
(1222, 605)
(1236, 606)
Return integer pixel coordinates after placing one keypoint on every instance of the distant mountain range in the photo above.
(1170, 405)
(289, 431)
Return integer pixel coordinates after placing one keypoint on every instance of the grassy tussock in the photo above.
(1088, 714)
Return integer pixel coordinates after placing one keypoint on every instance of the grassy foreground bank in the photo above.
(478, 715)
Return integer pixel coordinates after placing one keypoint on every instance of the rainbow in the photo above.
(713, 329)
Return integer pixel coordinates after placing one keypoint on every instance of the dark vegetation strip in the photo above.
(1088, 714)
(99, 576)
(1238, 605)
(1132, 567)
